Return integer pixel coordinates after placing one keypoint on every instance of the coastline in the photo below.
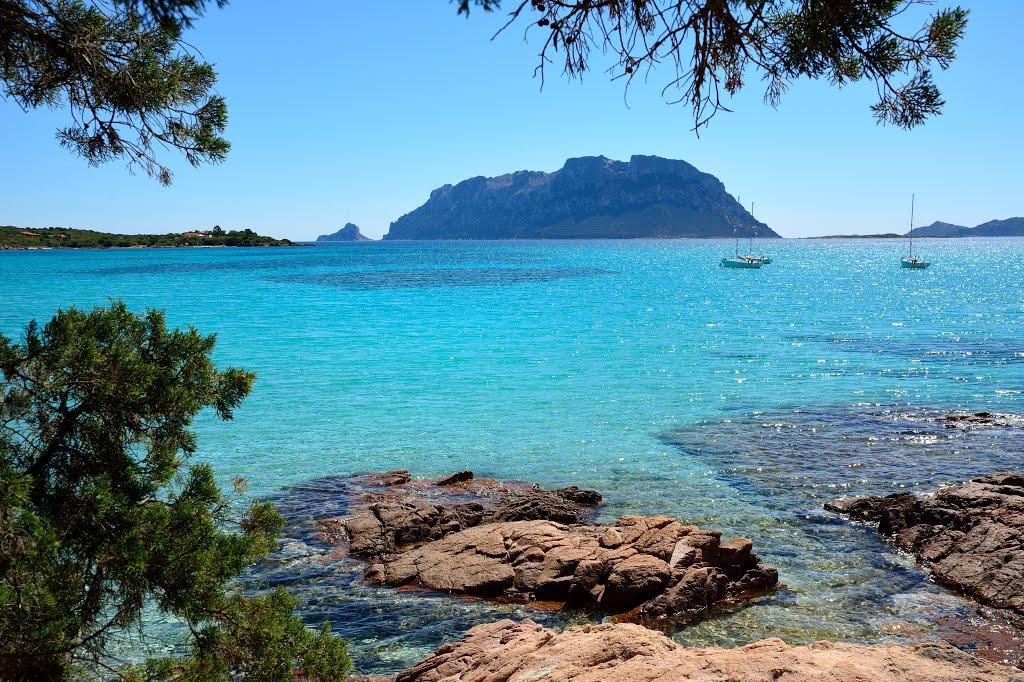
(451, 528)
(12, 247)
(18, 238)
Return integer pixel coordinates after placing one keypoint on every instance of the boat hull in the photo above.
(740, 263)
(914, 263)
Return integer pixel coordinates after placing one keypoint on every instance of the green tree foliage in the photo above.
(120, 68)
(103, 511)
(708, 46)
(131, 84)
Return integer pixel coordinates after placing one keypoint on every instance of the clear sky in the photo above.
(356, 110)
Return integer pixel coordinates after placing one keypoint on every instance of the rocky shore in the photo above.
(526, 652)
(970, 536)
(514, 541)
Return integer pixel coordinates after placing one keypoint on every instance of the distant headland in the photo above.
(591, 197)
(1011, 227)
(349, 233)
(69, 238)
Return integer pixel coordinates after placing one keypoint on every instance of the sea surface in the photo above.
(735, 399)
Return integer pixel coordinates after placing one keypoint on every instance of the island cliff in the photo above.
(589, 198)
(349, 233)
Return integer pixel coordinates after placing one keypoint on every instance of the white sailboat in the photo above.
(909, 261)
(739, 261)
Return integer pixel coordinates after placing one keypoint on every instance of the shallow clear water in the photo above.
(737, 399)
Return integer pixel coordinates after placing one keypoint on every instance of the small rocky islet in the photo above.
(513, 541)
(349, 233)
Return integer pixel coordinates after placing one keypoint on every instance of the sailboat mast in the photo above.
(750, 240)
(911, 226)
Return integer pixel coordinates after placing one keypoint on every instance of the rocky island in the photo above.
(349, 233)
(590, 197)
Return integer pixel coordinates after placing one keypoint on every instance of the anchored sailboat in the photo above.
(740, 261)
(909, 261)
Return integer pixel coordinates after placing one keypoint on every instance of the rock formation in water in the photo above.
(1011, 227)
(971, 536)
(519, 542)
(527, 652)
(349, 233)
(589, 198)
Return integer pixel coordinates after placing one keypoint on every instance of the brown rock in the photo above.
(506, 651)
(970, 535)
(533, 505)
(459, 477)
(557, 562)
(633, 581)
(405, 513)
(393, 477)
(580, 496)
(696, 588)
(516, 541)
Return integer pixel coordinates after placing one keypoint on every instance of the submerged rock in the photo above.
(522, 652)
(516, 542)
(971, 535)
(978, 419)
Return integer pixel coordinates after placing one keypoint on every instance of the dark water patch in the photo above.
(821, 453)
(945, 349)
(847, 583)
(433, 278)
(355, 258)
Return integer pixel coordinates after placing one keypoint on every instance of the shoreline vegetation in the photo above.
(17, 239)
(104, 513)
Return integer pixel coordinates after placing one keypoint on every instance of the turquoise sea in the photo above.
(735, 399)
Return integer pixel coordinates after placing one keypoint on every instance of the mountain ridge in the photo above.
(1009, 227)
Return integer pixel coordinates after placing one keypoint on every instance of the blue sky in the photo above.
(357, 110)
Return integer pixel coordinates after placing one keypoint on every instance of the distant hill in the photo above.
(70, 238)
(589, 198)
(1011, 227)
(349, 233)
(940, 229)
